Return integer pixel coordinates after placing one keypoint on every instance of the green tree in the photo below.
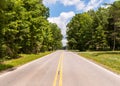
(79, 31)
(114, 25)
(36, 15)
(88, 30)
(2, 24)
(24, 26)
(99, 25)
(13, 28)
(57, 37)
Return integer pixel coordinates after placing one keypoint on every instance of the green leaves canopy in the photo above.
(26, 28)
(95, 30)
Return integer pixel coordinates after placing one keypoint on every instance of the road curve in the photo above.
(61, 68)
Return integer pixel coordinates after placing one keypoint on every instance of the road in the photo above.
(61, 68)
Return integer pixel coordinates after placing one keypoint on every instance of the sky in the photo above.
(62, 11)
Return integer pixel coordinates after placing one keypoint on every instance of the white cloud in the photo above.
(111, 1)
(64, 41)
(92, 4)
(69, 2)
(47, 2)
(62, 21)
(105, 6)
(79, 4)
(64, 17)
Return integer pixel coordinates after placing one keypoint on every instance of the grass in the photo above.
(108, 59)
(25, 58)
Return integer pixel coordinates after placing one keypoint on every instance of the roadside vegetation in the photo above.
(24, 28)
(24, 58)
(95, 30)
(25, 32)
(108, 59)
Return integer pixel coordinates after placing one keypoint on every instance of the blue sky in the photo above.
(61, 11)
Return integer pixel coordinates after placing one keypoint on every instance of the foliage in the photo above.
(114, 26)
(25, 58)
(95, 30)
(79, 31)
(26, 29)
(57, 37)
(108, 59)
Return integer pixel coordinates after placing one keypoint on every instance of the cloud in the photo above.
(62, 21)
(64, 41)
(47, 2)
(93, 4)
(111, 1)
(80, 5)
(105, 6)
(69, 2)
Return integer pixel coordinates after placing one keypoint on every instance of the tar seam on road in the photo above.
(59, 72)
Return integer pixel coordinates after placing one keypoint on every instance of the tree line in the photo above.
(24, 28)
(95, 30)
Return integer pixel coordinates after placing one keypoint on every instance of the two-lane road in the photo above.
(61, 68)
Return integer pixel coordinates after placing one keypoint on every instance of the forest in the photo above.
(24, 28)
(97, 30)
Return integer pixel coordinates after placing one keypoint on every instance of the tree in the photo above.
(87, 31)
(37, 15)
(79, 32)
(14, 26)
(24, 25)
(99, 25)
(114, 25)
(24, 28)
(3, 4)
(57, 37)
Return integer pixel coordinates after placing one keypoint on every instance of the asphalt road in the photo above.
(61, 68)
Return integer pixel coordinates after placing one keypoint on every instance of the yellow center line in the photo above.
(60, 80)
(59, 72)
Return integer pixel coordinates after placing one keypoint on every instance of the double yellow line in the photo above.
(58, 75)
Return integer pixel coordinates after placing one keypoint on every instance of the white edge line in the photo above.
(103, 68)
(24, 65)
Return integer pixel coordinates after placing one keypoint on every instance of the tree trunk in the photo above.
(114, 42)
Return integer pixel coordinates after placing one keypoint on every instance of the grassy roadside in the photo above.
(108, 59)
(25, 58)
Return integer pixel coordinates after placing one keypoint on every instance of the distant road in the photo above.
(61, 68)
